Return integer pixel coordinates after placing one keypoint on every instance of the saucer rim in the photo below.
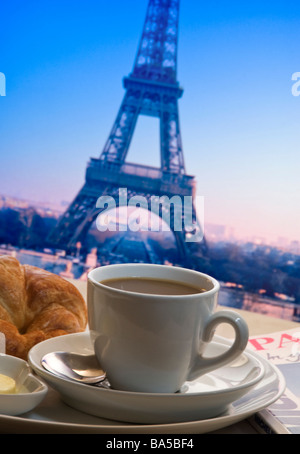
(138, 394)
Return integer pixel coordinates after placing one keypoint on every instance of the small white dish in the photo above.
(206, 397)
(30, 391)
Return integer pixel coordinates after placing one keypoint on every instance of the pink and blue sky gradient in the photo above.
(64, 62)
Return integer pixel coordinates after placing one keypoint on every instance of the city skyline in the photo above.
(238, 114)
(214, 233)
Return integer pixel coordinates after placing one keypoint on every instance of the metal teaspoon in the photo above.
(81, 368)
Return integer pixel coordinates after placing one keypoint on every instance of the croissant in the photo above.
(36, 305)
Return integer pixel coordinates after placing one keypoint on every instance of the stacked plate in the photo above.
(218, 399)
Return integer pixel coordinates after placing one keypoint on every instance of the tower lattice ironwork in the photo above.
(151, 89)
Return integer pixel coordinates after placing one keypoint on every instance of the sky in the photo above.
(64, 62)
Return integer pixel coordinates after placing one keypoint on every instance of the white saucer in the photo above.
(206, 397)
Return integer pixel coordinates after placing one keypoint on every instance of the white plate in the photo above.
(53, 416)
(206, 397)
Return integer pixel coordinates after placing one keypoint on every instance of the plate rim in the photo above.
(201, 426)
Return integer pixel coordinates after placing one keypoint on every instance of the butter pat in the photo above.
(7, 385)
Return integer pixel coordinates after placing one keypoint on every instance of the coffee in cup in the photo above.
(152, 286)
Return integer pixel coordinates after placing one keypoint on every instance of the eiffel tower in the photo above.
(152, 90)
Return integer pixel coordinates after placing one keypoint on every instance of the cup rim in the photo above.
(215, 289)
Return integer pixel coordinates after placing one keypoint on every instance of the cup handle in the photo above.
(203, 365)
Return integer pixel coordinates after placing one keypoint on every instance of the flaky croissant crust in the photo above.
(36, 305)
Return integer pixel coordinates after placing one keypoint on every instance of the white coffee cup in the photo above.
(154, 343)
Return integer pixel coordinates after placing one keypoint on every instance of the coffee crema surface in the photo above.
(152, 286)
